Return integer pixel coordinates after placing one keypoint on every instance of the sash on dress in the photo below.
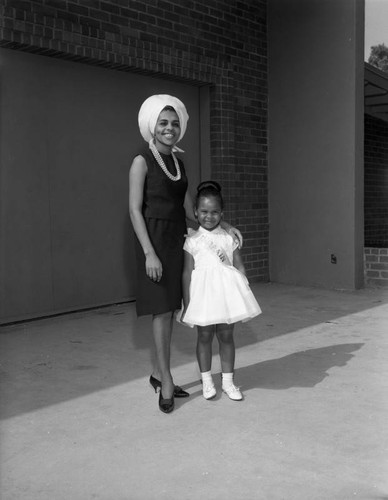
(223, 257)
(218, 250)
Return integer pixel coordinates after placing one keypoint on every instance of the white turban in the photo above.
(151, 109)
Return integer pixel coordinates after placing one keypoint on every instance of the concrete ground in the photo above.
(80, 421)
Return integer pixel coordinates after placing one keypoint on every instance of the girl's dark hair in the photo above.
(209, 188)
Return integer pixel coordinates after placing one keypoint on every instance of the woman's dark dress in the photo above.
(165, 218)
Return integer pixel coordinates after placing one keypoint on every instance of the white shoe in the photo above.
(208, 391)
(233, 392)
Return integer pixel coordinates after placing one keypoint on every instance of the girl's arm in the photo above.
(188, 267)
(137, 175)
(238, 262)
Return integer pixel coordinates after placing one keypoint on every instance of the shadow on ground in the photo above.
(300, 369)
(53, 360)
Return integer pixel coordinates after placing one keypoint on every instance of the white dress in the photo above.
(219, 293)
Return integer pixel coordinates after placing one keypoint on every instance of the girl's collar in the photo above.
(218, 229)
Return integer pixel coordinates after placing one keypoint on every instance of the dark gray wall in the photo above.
(316, 141)
(67, 135)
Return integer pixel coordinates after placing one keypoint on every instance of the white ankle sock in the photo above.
(207, 377)
(227, 379)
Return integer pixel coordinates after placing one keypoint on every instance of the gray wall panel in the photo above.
(68, 134)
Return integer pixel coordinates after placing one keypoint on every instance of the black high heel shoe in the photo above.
(178, 391)
(166, 405)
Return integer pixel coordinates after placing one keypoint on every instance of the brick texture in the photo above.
(206, 42)
(376, 182)
(376, 267)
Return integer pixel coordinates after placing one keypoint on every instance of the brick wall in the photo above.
(214, 42)
(376, 266)
(376, 182)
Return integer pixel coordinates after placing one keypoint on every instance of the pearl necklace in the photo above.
(162, 165)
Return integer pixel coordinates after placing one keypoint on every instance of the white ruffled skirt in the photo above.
(219, 294)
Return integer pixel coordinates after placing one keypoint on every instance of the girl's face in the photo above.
(208, 212)
(167, 131)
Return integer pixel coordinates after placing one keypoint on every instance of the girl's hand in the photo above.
(154, 268)
(182, 317)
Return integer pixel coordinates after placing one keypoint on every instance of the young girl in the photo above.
(216, 292)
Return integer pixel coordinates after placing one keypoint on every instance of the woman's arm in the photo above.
(137, 175)
(238, 262)
(189, 209)
(188, 267)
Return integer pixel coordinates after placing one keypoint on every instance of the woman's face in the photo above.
(167, 131)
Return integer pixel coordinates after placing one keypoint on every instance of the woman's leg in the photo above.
(162, 330)
(204, 347)
(227, 349)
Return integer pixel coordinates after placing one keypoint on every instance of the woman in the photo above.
(159, 204)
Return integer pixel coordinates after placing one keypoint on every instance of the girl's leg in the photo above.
(204, 347)
(227, 355)
(227, 350)
(204, 357)
(162, 329)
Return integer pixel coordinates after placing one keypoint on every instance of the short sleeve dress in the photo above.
(219, 293)
(164, 215)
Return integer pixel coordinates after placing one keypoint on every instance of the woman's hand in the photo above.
(237, 236)
(154, 268)
(234, 232)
